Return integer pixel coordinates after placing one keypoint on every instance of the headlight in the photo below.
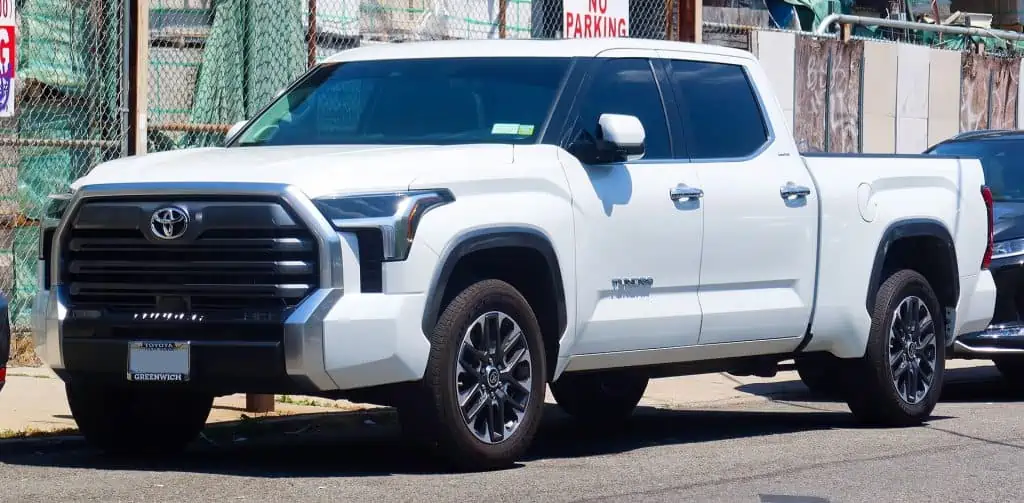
(395, 214)
(1008, 248)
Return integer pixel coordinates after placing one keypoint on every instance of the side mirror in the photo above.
(234, 130)
(622, 133)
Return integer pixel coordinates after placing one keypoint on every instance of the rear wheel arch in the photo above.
(924, 245)
(504, 253)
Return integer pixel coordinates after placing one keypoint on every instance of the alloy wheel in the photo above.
(494, 377)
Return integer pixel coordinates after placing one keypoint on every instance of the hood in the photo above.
(316, 170)
(1009, 220)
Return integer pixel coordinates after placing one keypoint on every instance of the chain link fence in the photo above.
(215, 62)
(70, 114)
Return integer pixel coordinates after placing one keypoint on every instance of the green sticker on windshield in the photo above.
(516, 129)
(505, 129)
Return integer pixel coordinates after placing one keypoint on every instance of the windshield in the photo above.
(414, 102)
(1002, 161)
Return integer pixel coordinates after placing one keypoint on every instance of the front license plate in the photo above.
(152, 361)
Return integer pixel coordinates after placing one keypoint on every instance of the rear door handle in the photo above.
(793, 191)
(682, 192)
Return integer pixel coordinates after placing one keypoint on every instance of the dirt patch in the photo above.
(23, 351)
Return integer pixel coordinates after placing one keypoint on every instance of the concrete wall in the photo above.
(889, 97)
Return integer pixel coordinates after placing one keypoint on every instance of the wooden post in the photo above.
(138, 79)
(690, 21)
(502, 13)
(259, 403)
(669, 35)
(311, 35)
(845, 32)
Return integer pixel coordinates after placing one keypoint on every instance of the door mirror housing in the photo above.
(235, 128)
(619, 138)
(622, 133)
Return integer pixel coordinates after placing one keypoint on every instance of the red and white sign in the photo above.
(7, 57)
(595, 18)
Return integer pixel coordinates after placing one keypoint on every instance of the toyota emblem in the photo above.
(170, 222)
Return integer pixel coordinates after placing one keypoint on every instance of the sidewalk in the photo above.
(34, 400)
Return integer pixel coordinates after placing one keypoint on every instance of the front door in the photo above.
(638, 246)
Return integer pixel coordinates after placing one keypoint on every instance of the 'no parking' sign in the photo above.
(8, 44)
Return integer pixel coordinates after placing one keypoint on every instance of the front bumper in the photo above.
(329, 342)
(1004, 333)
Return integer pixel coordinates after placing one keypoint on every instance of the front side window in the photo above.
(721, 116)
(415, 102)
(1000, 160)
(627, 87)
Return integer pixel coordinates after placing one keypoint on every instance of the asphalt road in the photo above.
(780, 451)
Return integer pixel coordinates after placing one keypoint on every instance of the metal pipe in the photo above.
(44, 142)
(823, 27)
(191, 128)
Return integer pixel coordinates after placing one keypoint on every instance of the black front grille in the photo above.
(235, 255)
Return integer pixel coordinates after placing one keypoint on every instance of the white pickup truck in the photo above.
(448, 227)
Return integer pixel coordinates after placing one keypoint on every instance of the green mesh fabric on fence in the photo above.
(69, 93)
(255, 48)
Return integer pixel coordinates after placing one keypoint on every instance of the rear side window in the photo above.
(721, 116)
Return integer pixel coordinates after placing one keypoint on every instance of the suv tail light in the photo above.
(986, 194)
(3, 376)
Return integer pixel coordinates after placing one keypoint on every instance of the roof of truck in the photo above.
(578, 47)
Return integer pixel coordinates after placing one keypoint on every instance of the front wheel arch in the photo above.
(504, 253)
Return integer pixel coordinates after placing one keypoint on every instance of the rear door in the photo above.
(760, 206)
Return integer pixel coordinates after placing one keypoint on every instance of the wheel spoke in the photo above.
(469, 395)
(517, 358)
(518, 406)
(497, 420)
(901, 368)
(926, 342)
(491, 335)
(474, 411)
(515, 384)
(511, 341)
(469, 367)
(895, 358)
(913, 383)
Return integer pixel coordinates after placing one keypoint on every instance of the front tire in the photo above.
(481, 398)
(899, 379)
(127, 421)
(601, 397)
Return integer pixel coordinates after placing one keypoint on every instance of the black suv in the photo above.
(1002, 157)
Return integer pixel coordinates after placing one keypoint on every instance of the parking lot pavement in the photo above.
(753, 451)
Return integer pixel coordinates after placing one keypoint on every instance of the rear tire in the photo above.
(899, 379)
(1012, 370)
(481, 399)
(821, 374)
(601, 397)
(136, 422)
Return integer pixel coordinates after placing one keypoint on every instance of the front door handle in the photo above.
(682, 192)
(793, 191)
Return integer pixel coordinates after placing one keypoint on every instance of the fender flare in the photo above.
(908, 228)
(488, 238)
